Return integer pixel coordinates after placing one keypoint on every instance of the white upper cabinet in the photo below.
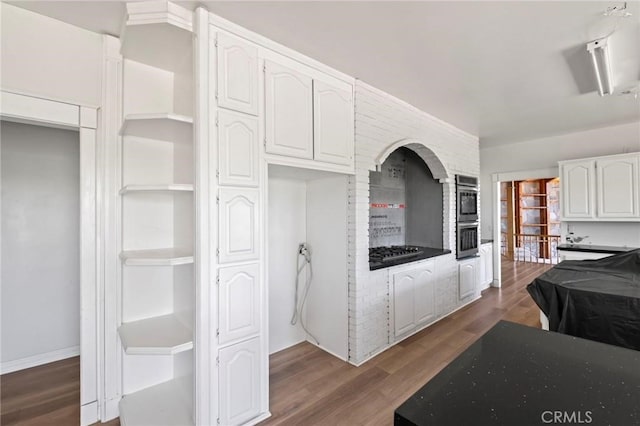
(238, 224)
(238, 149)
(288, 113)
(618, 187)
(333, 123)
(601, 189)
(578, 189)
(237, 74)
(239, 302)
(308, 115)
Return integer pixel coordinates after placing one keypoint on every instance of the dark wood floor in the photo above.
(307, 385)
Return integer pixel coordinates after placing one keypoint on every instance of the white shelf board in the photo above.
(160, 405)
(157, 257)
(163, 335)
(170, 187)
(167, 127)
(159, 44)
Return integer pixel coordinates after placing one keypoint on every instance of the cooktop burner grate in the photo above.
(391, 253)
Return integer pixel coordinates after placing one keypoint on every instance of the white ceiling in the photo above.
(505, 71)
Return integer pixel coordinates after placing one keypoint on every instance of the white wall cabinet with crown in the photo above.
(241, 341)
(197, 97)
(308, 115)
(413, 301)
(601, 188)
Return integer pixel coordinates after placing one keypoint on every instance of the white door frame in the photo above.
(37, 111)
(496, 178)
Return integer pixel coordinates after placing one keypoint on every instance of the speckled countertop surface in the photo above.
(515, 375)
(595, 248)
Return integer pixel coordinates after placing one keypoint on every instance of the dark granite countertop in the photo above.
(594, 248)
(427, 252)
(486, 241)
(515, 375)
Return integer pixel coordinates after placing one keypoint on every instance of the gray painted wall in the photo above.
(40, 240)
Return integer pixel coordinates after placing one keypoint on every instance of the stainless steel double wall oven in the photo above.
(467, 216)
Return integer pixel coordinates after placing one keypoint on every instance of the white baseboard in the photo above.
(111, 410)
(89, 413)
(35, 360)
(327, 350)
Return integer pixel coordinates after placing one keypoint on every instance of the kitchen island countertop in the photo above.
(595, 248)
(522, 375)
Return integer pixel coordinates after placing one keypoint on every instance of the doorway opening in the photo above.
(530, 220)
(40, 206)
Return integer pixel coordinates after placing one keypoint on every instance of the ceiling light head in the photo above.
(599, 51)
(618, 11)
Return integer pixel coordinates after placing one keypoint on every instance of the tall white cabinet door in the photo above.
(333, 123)
(240, 382)
(403, 314)
(578, 189)
(238, 143)
(239, 302)
(288, 111)
(618, 187)
(423, 295)
(467, 277)
(238, 224)
(237, 74)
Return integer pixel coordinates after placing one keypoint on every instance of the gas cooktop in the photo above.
(391, 253)
(384, 257)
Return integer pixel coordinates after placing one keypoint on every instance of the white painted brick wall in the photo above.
(380, 121)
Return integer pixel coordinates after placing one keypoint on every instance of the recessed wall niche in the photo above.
(405, 203)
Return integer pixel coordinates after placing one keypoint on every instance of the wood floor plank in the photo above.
(308, 386)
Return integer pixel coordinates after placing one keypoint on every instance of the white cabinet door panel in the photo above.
(578, 189)
(239, 302)
(486, 265)
(467, 278)
(403, 314)
(618, 187)
(238, 142)
(240, 382)
(237, 74)
(288, 111)
(333, 123)
(424, 294)
(238, 221)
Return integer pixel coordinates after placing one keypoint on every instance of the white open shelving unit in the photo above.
(160, 126)
(142, 337)
(157, 208)
(169, 187)
(157, 257)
